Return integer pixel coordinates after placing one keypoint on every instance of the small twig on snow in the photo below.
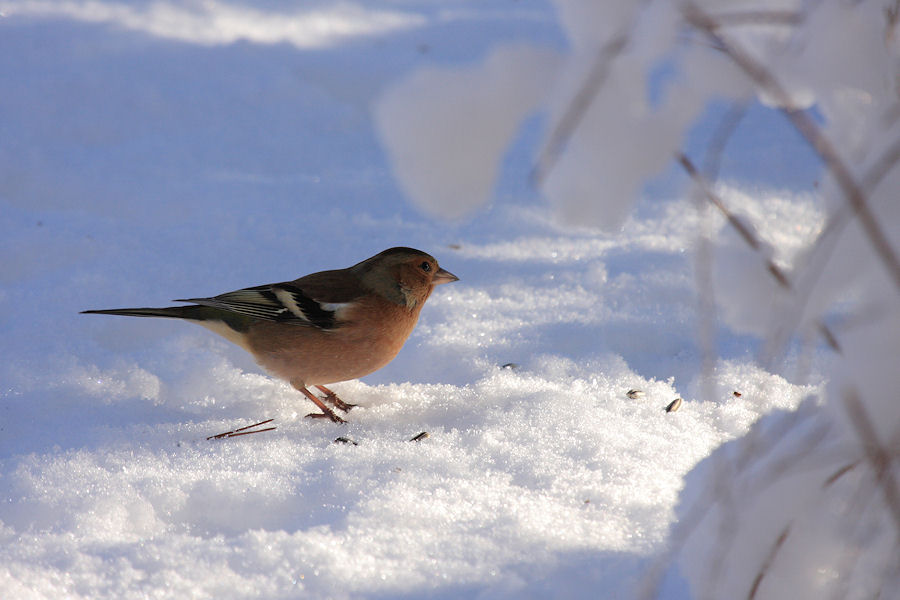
(243, 431)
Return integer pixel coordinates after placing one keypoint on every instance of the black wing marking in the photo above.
(299, 303)
(280, 302)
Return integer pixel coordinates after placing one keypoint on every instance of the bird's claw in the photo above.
(329, 415)
(333, 399)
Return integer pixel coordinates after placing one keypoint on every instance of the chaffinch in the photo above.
(322, 328)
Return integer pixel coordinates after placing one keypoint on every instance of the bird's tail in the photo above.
(196, 313)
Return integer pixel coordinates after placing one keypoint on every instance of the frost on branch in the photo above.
(807, 505)
(447, 129)
(792, 510)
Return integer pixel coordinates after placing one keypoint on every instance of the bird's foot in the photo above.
(332, 398)
(326, 412)
(326, 415)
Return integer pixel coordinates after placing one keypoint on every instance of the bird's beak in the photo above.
(443, 276)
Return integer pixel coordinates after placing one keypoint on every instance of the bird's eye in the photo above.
(426, 266)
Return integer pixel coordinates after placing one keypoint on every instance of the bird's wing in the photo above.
(312, 300)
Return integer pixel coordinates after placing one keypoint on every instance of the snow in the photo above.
(461, 120)
(155, 150)
(214, 23)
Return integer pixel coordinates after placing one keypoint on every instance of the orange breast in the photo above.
(369, 337)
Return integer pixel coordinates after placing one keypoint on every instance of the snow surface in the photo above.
(158, 150)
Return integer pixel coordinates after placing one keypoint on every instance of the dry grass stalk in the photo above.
(243, 431)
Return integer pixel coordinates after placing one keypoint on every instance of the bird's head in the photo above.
(403, 275)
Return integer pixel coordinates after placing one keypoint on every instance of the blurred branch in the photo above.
(747, 234)
(826, 242)
(599, 72)
(873, 176)
(578, 107)
(885, 163)
(787, 18)
(829, 336)
(706, 298)
(807, 127)
(751, 18)
(878, 457)
(838, 474)
(744, 230)
(722, 134)
(755, 451)
(892, 14)
(770, 558)
(707, 313)
(703, 259)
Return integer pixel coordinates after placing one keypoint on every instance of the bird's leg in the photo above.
(326, 412)
(333, 398)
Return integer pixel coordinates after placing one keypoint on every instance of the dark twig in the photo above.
(744, 230)
(870, 181)
(838, 474)
(251, 432)
(243, 430)
(829, 336)
(767, 563)
(749, 236)
(827, 239)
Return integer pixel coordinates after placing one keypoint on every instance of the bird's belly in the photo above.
(312, 356)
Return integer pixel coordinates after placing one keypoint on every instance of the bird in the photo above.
(322, 328)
